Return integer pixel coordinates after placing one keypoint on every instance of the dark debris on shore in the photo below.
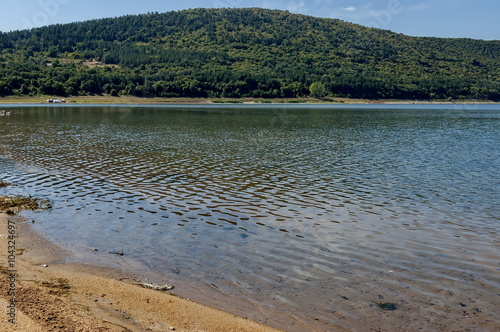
(11, 205)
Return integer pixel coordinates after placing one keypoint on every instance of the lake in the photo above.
(304, 217)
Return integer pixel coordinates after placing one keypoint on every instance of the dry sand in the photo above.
(53, 296)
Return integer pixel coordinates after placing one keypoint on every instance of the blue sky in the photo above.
(439, 18)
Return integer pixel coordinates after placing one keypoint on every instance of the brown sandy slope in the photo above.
(66, 297)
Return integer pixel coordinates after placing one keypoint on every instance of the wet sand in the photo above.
(53, 296)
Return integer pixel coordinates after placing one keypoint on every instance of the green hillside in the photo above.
(235, 53)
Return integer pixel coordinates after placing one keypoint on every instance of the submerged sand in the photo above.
(50, 295)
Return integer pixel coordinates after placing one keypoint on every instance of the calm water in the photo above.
(315, 212)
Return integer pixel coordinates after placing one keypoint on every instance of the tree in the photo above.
(4, 89)
(317, 90)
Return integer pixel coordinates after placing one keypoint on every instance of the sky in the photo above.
(477, 19)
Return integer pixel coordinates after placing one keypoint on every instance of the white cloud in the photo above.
(354, 14)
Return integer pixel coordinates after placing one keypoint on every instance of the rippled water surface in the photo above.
(319, 213)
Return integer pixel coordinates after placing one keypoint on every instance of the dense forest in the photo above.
(233, 53)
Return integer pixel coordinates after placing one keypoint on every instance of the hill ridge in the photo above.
(249, 52)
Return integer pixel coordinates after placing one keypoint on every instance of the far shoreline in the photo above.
(130, 100)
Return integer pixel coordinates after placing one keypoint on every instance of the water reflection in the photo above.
(283, 207)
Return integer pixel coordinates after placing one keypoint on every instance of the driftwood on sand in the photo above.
(155, 286)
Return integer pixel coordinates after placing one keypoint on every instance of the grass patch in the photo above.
(11, 204)
(62, 287)
(226, 101)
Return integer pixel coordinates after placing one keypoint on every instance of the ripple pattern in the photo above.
(293, 210)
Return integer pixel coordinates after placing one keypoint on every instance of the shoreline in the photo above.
(52, 294)
(129, 100)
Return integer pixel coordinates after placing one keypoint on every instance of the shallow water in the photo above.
(318, 212)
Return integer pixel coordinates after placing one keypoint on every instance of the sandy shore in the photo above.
(53, 296)
(156, 100)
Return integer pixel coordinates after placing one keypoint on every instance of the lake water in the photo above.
(302, 217)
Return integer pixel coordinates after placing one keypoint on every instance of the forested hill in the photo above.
(243, 53)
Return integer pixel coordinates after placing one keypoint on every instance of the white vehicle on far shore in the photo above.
(56, 101)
